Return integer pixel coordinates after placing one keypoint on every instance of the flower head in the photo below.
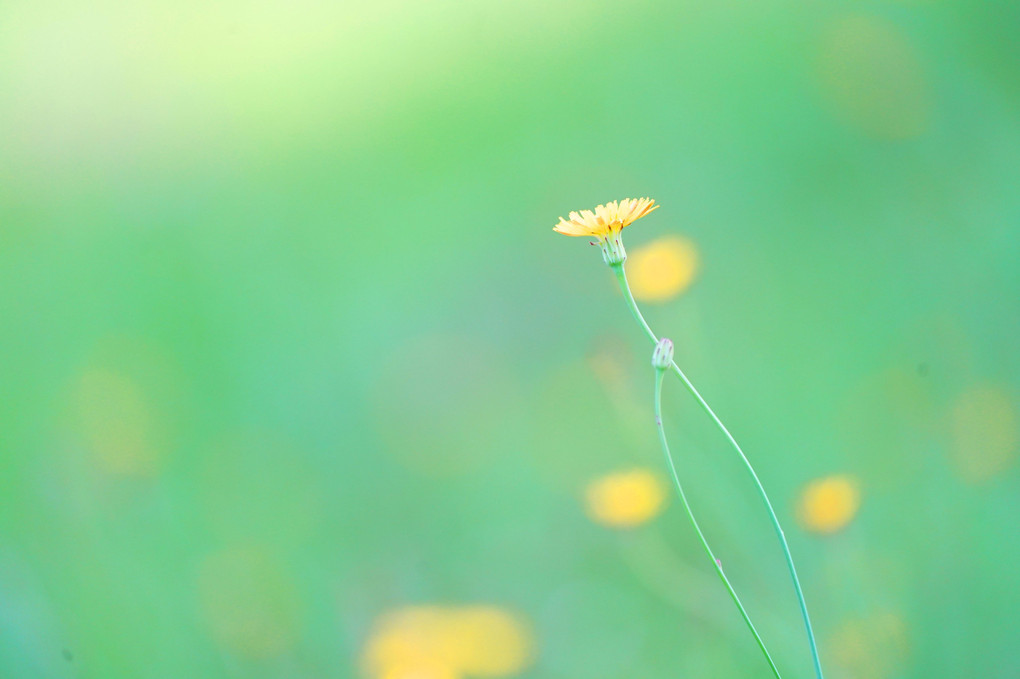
(606, 223)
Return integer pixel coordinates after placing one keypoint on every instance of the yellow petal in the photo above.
(571, 229)
(608, 218)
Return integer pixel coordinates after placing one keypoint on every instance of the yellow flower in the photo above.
(829, 504)
(625, 499)
(440, 642)
(606, 223)
(606, 219)
(663, 268)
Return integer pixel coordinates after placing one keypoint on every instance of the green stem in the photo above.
(697, 528)
(621, 277)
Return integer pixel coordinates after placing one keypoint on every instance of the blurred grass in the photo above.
(288, 342)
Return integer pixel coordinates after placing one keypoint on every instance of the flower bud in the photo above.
(662, 357)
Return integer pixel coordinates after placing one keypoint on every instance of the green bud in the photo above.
(662, 357)
(612, 249)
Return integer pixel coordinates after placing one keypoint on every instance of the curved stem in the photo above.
(697, 528)
(621, 277)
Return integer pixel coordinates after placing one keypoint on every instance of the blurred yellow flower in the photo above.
(663, 268)
(876, 646)
(986, 433)
(117, 422)
(422, 670)
(873, 75)
(829, 504)
(625, 499)
(607, 219)
(492, 643)
(438, 642)
(249, 602)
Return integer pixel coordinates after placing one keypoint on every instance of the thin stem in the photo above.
(621, 277)
(697, 528)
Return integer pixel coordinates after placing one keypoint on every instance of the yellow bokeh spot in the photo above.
(115, 421)
(249, 603)
(421, 670)
(985, 433)
(441, 642)
(874, 78)
(829, 504)
(662, 269)
(625, 499)
(607, 365)
(492, 642)
(873, 647)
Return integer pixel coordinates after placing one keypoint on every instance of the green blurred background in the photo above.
(287, 342)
